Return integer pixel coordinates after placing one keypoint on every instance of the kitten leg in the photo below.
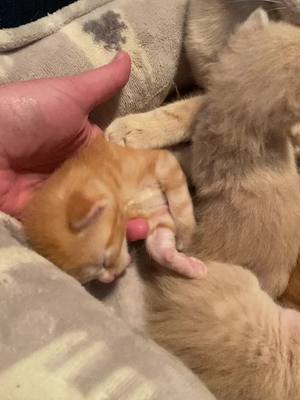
(174, 185)
(162, 247)
(162, 127)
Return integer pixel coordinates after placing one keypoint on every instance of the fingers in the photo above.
(100, 84)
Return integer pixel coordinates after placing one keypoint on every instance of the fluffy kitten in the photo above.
(226, 328)
(210, 23)
(78, 219)
(243, 163)
(229, 332)
(208, 26)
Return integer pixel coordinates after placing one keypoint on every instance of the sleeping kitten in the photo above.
(210, 23)
(78, 219)
(243, 163)
(226, 328)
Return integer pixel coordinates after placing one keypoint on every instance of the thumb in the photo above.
(99, 85)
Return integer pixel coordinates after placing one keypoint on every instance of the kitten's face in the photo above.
(88, 242)
(98, 228)
(258, 72)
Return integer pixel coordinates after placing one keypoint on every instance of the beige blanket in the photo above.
(60, 44)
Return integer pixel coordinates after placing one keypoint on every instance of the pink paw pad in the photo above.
(188, 266)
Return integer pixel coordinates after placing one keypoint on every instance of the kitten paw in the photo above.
(190, 267)
(140, 131)
(128, 131)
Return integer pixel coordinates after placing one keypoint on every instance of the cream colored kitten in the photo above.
(244, 167)
(243, 163)
(229, 332)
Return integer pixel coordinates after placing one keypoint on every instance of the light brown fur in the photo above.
(259, 173)
(229, 332)
(208, 26)
(226, 328)
(291, 297)
(78, 219)
(243, 164)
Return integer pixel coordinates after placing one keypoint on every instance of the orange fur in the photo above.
(78, 219)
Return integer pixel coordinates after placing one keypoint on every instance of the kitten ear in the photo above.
(83, 210)
(259, 19)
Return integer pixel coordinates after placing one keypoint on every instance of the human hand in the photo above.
(43, 122)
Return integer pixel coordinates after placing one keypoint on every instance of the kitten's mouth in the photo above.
(102, 273)
(107, 276)
(89, 274)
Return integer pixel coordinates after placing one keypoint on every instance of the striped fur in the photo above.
(78, 219)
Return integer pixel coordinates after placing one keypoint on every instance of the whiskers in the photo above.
(273, 5)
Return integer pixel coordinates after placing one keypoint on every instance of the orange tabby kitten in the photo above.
(78, 219)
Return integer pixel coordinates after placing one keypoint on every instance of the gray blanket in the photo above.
(58, 342)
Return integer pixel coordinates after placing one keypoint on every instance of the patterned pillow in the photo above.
(88, 33)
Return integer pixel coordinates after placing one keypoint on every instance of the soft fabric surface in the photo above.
(58, 342)
(60, 44)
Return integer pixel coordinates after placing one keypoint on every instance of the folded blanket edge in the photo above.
(14, 38)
